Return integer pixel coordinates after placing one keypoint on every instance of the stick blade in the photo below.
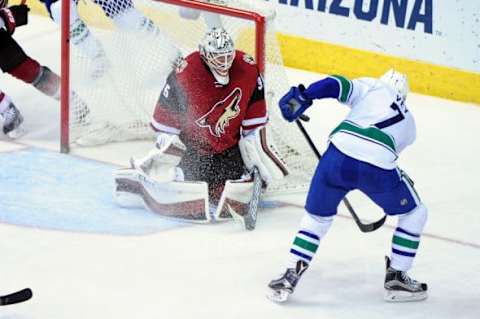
(16, 297)
(367, 228)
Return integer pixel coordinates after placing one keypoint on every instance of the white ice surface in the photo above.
(220, 271)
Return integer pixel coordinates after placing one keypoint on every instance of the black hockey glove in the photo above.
(14, 16)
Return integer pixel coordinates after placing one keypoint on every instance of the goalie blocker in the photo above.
(160, 183)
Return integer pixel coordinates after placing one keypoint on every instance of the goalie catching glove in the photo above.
(257, 152)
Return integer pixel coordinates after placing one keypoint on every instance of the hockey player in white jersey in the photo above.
(361, 154)
(124, 16)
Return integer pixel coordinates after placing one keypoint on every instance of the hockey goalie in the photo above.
(211, 153)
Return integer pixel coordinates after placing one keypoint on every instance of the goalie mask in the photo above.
(218, 52)
(397, 82)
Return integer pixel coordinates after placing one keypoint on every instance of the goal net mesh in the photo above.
(120, 74)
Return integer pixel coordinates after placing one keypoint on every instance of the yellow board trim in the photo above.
(36, 7)
(300, 53)
(425, 78)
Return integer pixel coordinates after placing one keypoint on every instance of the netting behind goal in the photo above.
(122, 82)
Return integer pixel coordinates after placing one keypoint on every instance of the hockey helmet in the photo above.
(397, 81)
(218, 52)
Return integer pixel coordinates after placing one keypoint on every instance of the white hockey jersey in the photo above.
(379, 125)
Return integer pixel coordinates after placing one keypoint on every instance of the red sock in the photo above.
(27, 71)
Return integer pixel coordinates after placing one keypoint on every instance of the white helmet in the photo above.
(218, 52)
(397, 81)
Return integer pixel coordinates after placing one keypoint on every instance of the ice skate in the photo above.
(12, 119)
(399, 287)
(284, 286)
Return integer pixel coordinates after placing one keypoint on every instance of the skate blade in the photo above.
(404, 296)
(16, 133)
(278, 296)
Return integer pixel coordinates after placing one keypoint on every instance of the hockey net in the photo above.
(122, 86)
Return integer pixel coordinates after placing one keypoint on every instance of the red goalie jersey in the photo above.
(208, 116)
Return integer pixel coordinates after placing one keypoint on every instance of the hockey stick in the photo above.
(16, 297)
(234, 202)
(250, 220)
(366, 228)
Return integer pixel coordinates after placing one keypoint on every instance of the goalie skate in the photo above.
(284, 286)
(12, 119)
(399, 287)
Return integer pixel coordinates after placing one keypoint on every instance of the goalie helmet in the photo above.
(397, 82)
(218, 52)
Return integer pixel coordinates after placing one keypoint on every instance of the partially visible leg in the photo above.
(213, 169)
(312, 230)
(81, 36)
(322, 202)
(16, 62)
(405, 242)
(403, 201)
(406, 238)
(129, 19)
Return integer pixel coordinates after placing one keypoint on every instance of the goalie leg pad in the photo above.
(186, 201)
(235, 199)
(240, 200)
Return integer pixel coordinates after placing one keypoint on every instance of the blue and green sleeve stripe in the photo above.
(335, 86)
(346, 87)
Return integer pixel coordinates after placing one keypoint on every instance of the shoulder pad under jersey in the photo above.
(180, 65)
(248, 58)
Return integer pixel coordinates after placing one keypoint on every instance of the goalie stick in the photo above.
(250, 220)
(239, 207)
(366, 228)
(16, 297)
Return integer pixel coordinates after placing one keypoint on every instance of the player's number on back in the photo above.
(394, 119)
(166, 91)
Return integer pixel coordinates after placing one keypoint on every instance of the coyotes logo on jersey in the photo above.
(219, 116)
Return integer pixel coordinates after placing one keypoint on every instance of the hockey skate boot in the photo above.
(399, 287)
(12, 119)
(284, 286)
